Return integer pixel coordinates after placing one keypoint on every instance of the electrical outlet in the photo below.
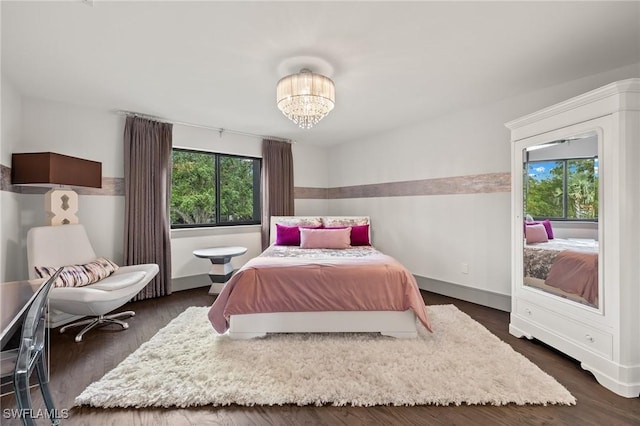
(464, 268)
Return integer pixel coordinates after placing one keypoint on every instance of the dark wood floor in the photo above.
(76, 365)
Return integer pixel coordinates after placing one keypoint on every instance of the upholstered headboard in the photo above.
(327, 221)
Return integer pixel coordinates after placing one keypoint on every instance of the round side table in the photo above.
(221, 269)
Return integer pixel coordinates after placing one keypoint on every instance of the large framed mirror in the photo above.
(574, 169)
(561, 200)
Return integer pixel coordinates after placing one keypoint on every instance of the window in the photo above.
(562, 189)
(209, 189)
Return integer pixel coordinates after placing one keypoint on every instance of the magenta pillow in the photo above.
(290, 235)
(548, 228)
(359, 234)
(325, 238)
(287, 235)
(536, 233)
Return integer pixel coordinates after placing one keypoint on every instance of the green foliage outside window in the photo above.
(562, 189)
(196, 176)
(582, 189)
(543, 194)
(236, 188)
(193, 191)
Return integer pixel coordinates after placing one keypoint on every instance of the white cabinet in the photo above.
(592, 315)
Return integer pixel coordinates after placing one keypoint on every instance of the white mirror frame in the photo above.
(601, 128)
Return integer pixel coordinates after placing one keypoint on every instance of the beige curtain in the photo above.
(147, 176)
(277, 184)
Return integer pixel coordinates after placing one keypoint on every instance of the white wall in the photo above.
(434, 235)
(76, 130)
(311, 165)
(310, 170)
(11, 119)
(12, 257)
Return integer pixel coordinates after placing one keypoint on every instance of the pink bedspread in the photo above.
(575, 272)
(320, 282)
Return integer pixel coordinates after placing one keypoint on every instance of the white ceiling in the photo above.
(217, 63)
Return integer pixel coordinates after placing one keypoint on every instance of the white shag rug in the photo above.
(188, 364)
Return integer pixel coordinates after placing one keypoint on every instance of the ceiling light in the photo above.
(305, 98)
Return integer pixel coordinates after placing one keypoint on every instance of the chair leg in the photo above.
(125, 314)
(41, 371)
(77, 324)
(99, 321)
(23, 397)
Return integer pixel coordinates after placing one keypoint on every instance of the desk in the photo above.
(221, 269)
(15, 297)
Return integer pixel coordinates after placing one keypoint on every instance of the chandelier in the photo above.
(305, 98)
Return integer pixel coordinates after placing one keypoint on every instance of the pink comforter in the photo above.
(575, 272)
(374, 282)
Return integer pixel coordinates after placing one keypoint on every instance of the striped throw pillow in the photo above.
(79, 275)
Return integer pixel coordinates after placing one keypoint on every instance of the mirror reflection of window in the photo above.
(544, 183)
(561, 180)
(560, 196)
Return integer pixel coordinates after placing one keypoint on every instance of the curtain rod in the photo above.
(220, 130)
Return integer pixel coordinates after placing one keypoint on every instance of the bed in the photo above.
(565, 267)
(289, 289)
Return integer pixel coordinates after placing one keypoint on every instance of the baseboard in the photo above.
(493, 300)
(187, 283)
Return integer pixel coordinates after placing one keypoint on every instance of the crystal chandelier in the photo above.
(305, 98)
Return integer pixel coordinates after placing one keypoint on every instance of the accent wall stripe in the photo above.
(110, 186)
(301, 192)
(5, 178)
(470, 184)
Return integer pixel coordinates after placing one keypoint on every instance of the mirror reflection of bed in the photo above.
(560, 200)
(564, 267)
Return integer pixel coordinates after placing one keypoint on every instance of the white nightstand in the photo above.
(221, 269)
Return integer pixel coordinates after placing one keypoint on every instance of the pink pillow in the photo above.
(325, 238)
(290, 235)
(359, 234)
(536, 233)
(547, 227)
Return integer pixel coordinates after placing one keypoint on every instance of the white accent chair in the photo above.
(63, 245)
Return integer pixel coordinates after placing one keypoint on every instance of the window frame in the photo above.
(257, 211)
(565, 182)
